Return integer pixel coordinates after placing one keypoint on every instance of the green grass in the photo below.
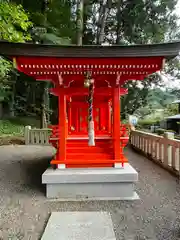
(15, 126)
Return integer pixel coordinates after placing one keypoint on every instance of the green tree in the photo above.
(171, 109)
(53, 22)
(14, 23)
(135, 22)
(14, 27)
(157, 99)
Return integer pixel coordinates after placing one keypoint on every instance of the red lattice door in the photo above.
(83, 119)
(79, 118)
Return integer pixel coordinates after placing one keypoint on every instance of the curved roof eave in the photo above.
(166, 50)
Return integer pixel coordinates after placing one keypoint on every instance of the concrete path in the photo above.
(24, 211)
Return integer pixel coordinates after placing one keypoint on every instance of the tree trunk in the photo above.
(45, 106)
(118, 18)
(11, 104)
(101, 8)
(80, 8)
(47, 102)
(104, 11)
(1, 110)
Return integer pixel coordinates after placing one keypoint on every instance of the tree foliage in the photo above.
(53, 23)
(14, 23)
(157, 99)
(171, 109)
(14, 27)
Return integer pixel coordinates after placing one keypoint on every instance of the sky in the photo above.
(178, 7)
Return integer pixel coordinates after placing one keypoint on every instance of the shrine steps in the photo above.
(77, 150)
(81, 142)
(80, 155)
(75, 184)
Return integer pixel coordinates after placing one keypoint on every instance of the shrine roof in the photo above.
(167, 50)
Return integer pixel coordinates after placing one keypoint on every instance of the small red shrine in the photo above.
(88, 82)
(79, 153)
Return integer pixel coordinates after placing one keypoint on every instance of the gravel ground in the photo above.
(24, 210)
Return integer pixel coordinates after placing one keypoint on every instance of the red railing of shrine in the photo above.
(54, 138)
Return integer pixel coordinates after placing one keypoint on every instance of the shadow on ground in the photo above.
(24, 166)
(34, 170)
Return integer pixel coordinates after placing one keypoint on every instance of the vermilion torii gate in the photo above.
(88, 81)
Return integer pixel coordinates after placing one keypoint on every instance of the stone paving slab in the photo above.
(79, 226)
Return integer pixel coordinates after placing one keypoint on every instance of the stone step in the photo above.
(79, 226)
(83, 149)
(89, 155)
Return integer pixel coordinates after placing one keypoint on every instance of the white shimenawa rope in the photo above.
(91, 141)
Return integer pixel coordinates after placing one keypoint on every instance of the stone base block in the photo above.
(91, 184)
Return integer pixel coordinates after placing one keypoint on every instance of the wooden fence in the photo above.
(36, 136)
(162, 150)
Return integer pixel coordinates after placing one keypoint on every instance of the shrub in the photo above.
(147, 123)
(177, 137)
(138, 126)
(160, 131)
(124, 121)
(170, 131)
(15, 126)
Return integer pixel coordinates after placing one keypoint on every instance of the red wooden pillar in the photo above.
(69, 117)
(77, 120)
(109, 117)
(62, 129)
(116, 124)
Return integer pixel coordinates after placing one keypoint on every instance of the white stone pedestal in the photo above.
(91, 184)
